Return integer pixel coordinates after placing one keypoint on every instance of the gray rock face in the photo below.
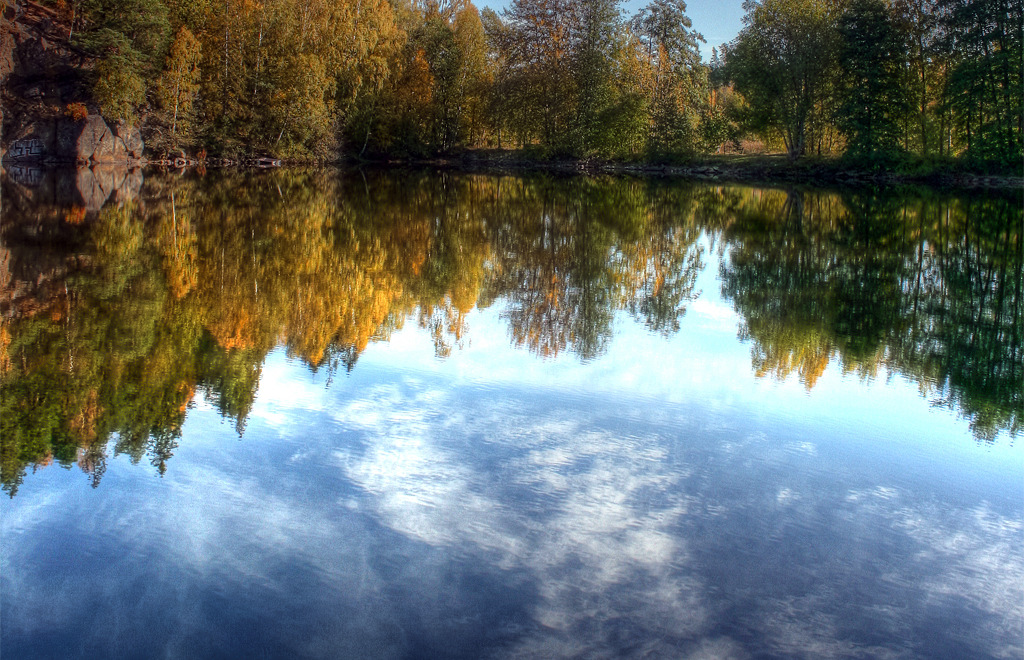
(132, 139)
(94, 141)
(109, 148)
(88, 141)
(33, 143)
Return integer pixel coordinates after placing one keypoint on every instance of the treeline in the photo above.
(876, 78)
(318, 78)
(313, 78)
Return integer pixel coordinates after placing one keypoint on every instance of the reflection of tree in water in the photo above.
(656, 272)
(551, 269)
(929, 287)
(568, 254)
(94, 357)
(188, 290)
(966, 329)
(112, 323)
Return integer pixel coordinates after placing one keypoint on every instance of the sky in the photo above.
(718, 20)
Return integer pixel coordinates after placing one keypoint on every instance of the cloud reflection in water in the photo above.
(603, 519)
(393, 515)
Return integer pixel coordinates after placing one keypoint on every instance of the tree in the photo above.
(119, 89)
(455, 53)
(129, 37)
(136, 30)
(782, 61)
(679, 94)
(984, 41)
(536, 51)
(918, 20)
(874, 100)
(180, 80)
(475, 74)
(592, 65)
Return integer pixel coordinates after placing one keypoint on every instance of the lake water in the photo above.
(415, 414)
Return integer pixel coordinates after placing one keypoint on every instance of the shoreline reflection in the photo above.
(114, 320)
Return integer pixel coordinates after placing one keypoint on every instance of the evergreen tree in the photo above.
(874, 102)
(984, 41)
(680, 89)
(598, 24)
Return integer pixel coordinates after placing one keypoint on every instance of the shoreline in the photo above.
(753, 170)
(714, 169)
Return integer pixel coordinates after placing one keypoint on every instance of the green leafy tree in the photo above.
(782, 62)
(130, 38)
(475, 74)
(136, 30)
(445, 61)
(539, 86)
(984, 41)
(597, 26)
(918, 19)
(874, 100)
(119, 89)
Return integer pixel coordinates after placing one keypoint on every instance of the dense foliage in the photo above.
(318, 78)
(885, 77)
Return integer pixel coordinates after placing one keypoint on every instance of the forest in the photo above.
(123, 321)
(872, 81)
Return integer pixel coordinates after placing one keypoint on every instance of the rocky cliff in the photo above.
(48, 115)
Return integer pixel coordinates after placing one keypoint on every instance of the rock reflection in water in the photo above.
(83, 188)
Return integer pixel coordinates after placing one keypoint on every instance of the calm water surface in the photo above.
(404, 415)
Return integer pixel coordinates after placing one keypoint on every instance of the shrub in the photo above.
(76, 111)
